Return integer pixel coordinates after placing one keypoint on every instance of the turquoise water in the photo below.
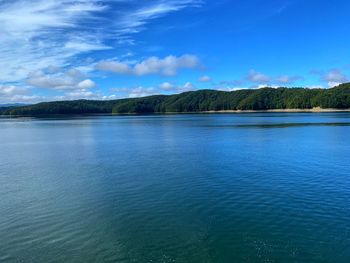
(176, 188)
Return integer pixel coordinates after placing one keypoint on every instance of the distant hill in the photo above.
(12, 105)
(199, 101)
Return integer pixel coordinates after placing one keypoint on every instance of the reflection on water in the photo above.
(176, 188)
(283, 125)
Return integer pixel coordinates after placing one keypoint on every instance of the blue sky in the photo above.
(108, 49)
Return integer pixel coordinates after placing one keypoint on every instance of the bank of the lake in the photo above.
(312, 110)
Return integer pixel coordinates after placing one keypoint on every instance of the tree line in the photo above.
(198, 101)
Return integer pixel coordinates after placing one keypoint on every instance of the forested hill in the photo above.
(197, 101)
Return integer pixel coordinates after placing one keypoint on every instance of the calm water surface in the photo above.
(177, 188)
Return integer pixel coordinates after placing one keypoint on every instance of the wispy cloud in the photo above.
(38, 33)
(255, 79)
(335, 77)
(258, 77)
(204, 79)
(286, 79)
(332, 77)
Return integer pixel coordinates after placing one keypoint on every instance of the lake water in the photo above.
(257, 187)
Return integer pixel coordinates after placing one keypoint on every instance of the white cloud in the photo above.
(26, 99)
(335, 77)
(134, 92)
(14, 94)
(142, 92)
(114, 66)
(79, 94)
(231, 88)
(133, 22)
(261, 86)
(41, 80)
(110, 97)
(71, 79)
(166, 86)
(168, 66)
(262, 79)
(332, 84)
(187, 87)
(82, 94)
(38, 33)
(120, 90)
(8, 90)
(85, 47)
(86, 84)
(267, 86)
(162, 89)
(285, 79)
(258, 77)
(316, 87)
(32, 38)
(204, 79)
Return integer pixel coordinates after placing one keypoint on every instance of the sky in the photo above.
(111, 49)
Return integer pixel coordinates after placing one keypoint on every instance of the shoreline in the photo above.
(313, 110)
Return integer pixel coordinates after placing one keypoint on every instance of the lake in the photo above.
(252, 187)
